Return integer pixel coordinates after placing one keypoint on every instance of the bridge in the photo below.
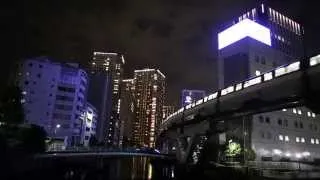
(288, 86)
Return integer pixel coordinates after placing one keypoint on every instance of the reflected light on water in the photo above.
(150, 171)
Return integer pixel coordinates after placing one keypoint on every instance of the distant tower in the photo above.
(127, 112)
(106, 71)
(149, 92)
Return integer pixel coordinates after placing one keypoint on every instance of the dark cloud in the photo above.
(176, 36)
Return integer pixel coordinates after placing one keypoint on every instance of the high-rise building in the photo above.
(127, 112)
(286, 35)
(167, 110)
(104, 93)
(54, 96)
(190, 96)
(89, 124)
(258, 41)
(149, 91)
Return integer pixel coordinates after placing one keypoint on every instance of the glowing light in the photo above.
(284, 110)
(252, 82)
(199, 102)
(245, 28)
(286, 138)
(150, 172)
(89, 116)
(238, 87)
(315, 60)
(309, 114)
(227, 90)
(258, 73)
(122, 58)
(312, 141)
(294, 111)
(161, 73)
(213, 96)
(277, 151)
(58, 126)
(299, 112)
(188, 100)
(303, 140)
(298, 155)
(281, 137)
(102, 53)
(267, 76)
(306, 153)
(144, 70)
(288, 154)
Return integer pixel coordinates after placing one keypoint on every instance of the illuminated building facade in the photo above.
(258, 41)
(89, 124)
(127, 112)
(286, 34)
(54, 96)
(149, 92)
(104, 93)
(190, 96)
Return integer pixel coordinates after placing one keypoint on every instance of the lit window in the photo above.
(258, 73)
(303, 140)
(286, 138)
(309, 114)
(313, 115)
(294, 110)
(297, 139)
(299, 111)
(281, 137)
(312, 141)
(317, 141)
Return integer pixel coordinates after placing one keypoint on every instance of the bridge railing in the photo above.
(277, 72)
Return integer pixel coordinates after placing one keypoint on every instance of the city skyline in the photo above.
(197, 29)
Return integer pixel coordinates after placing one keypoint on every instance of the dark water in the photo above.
(100, 168)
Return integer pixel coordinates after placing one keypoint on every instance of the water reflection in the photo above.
(103, 168)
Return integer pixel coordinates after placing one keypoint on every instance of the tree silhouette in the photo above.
(11, 110)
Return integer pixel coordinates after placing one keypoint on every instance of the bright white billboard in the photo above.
(244, 28)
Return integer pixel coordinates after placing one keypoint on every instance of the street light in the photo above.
(55, 129)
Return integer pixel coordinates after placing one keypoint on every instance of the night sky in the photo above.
(176, 36)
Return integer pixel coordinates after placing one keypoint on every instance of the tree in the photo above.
(11, 110)
(33, 139)
(233, 149)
